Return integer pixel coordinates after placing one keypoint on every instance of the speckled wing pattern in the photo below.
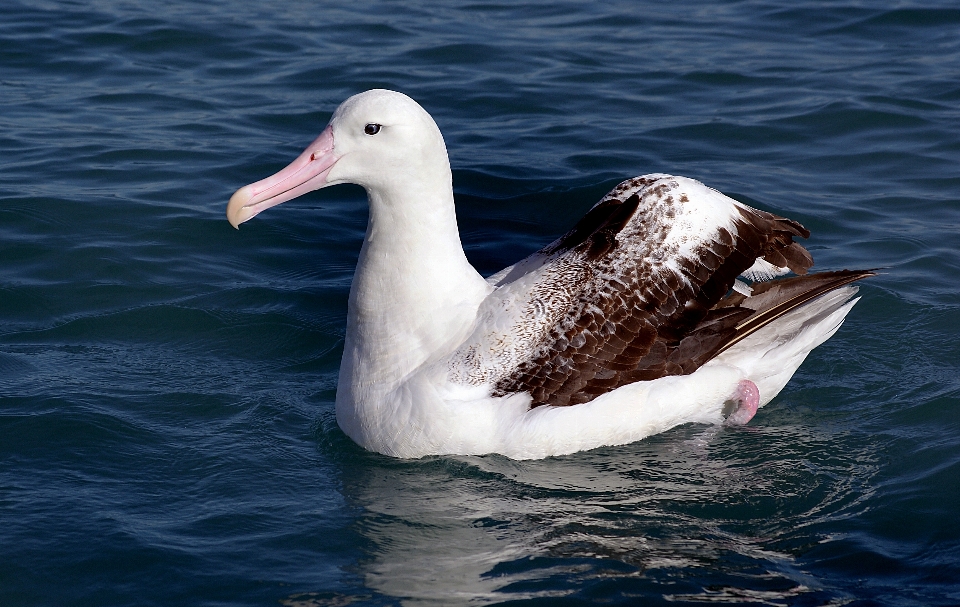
(639, 289)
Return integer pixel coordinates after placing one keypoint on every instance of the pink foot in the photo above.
(747, 398)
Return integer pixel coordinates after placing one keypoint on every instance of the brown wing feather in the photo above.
(638, 322)
(771, 300)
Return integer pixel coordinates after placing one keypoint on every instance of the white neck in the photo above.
(414, 295)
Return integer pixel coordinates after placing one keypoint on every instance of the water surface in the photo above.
(167, 433)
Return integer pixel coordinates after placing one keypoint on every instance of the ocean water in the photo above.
(167, 430)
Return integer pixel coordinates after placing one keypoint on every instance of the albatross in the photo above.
(665, 304)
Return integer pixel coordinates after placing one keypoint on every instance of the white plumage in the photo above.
(552, 355)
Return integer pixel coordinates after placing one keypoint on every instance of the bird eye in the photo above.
(372, 129)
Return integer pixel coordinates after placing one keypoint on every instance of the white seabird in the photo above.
(633, 322)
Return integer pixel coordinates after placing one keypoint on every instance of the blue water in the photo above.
(167, 434)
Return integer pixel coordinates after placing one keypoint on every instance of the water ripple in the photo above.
(167, 383)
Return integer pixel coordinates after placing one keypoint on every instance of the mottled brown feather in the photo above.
(638, 326)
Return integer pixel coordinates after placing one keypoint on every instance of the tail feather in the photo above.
(772, 300)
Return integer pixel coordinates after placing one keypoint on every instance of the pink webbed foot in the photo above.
(747, 400)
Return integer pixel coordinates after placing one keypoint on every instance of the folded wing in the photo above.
(639, 289)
